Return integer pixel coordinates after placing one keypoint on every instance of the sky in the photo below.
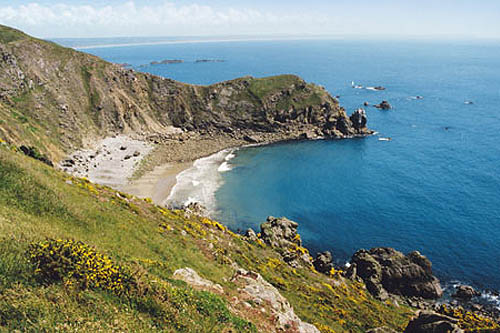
(467, 19)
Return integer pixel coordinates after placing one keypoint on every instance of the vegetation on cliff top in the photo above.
(42, 208)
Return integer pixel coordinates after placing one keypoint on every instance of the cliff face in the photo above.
(65, 98)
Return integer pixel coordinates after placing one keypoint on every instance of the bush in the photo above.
(79, 265)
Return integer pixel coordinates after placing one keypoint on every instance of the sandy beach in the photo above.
(113, 162)
(156, 184)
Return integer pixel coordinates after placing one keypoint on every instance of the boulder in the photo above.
(323, 262)
(384, 105)
(280, 232)
(465, 293)
(250, 139)
(259, 291)
(427, 321)
(191, 277)
(358, 119)
(387, 271)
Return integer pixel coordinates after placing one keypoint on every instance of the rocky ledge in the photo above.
(386, 271)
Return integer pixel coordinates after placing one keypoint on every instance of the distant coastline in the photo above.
(194, 41)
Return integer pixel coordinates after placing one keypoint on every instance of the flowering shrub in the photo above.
(75, 263)
(470, 321)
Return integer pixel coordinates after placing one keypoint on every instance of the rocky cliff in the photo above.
(63, 98)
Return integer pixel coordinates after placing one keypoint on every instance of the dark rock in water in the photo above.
(465, 293)
(366, 104)
(387, 271)
(250, 138)
(358, 119)
(384, 105)
(167, 62)
(323, 262)
(433, 322)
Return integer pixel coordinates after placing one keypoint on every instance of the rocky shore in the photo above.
(388, 275)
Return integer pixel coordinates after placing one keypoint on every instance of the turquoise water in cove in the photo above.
(434, 188)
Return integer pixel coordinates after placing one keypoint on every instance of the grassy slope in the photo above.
(37, 202)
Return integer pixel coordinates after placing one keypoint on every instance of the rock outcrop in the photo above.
(191, 277)
(281, 234)
(431, 322)
(323, 262)
(387, 271)
(258, 290)
(358, 119)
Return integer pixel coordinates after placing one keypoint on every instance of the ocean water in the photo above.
(434, 188)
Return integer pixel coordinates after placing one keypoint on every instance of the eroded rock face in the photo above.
(433, 322)
(387, 271)
(358, 119)
(323, 262)
(281, 234)
(255, 288)
(191, 277)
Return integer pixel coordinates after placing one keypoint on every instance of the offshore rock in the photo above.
(384, 105)
(433, 322)
(358, 119)
(386, 271)
(465, 293)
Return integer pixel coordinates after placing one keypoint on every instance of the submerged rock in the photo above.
(387, 271)
(432, 322)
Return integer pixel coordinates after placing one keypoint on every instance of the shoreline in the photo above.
(158, 183)
(159, 174)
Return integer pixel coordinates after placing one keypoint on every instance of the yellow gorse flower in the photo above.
(75, 263)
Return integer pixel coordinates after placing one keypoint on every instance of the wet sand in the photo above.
(156, 184)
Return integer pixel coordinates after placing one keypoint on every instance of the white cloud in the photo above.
(168, 18)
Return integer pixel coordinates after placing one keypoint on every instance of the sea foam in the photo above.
(200, 182)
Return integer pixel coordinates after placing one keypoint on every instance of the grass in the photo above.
(38, 203)
(8, 35)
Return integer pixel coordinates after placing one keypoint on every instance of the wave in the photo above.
(200, 182)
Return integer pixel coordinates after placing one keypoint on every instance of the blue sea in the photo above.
(434, 188)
